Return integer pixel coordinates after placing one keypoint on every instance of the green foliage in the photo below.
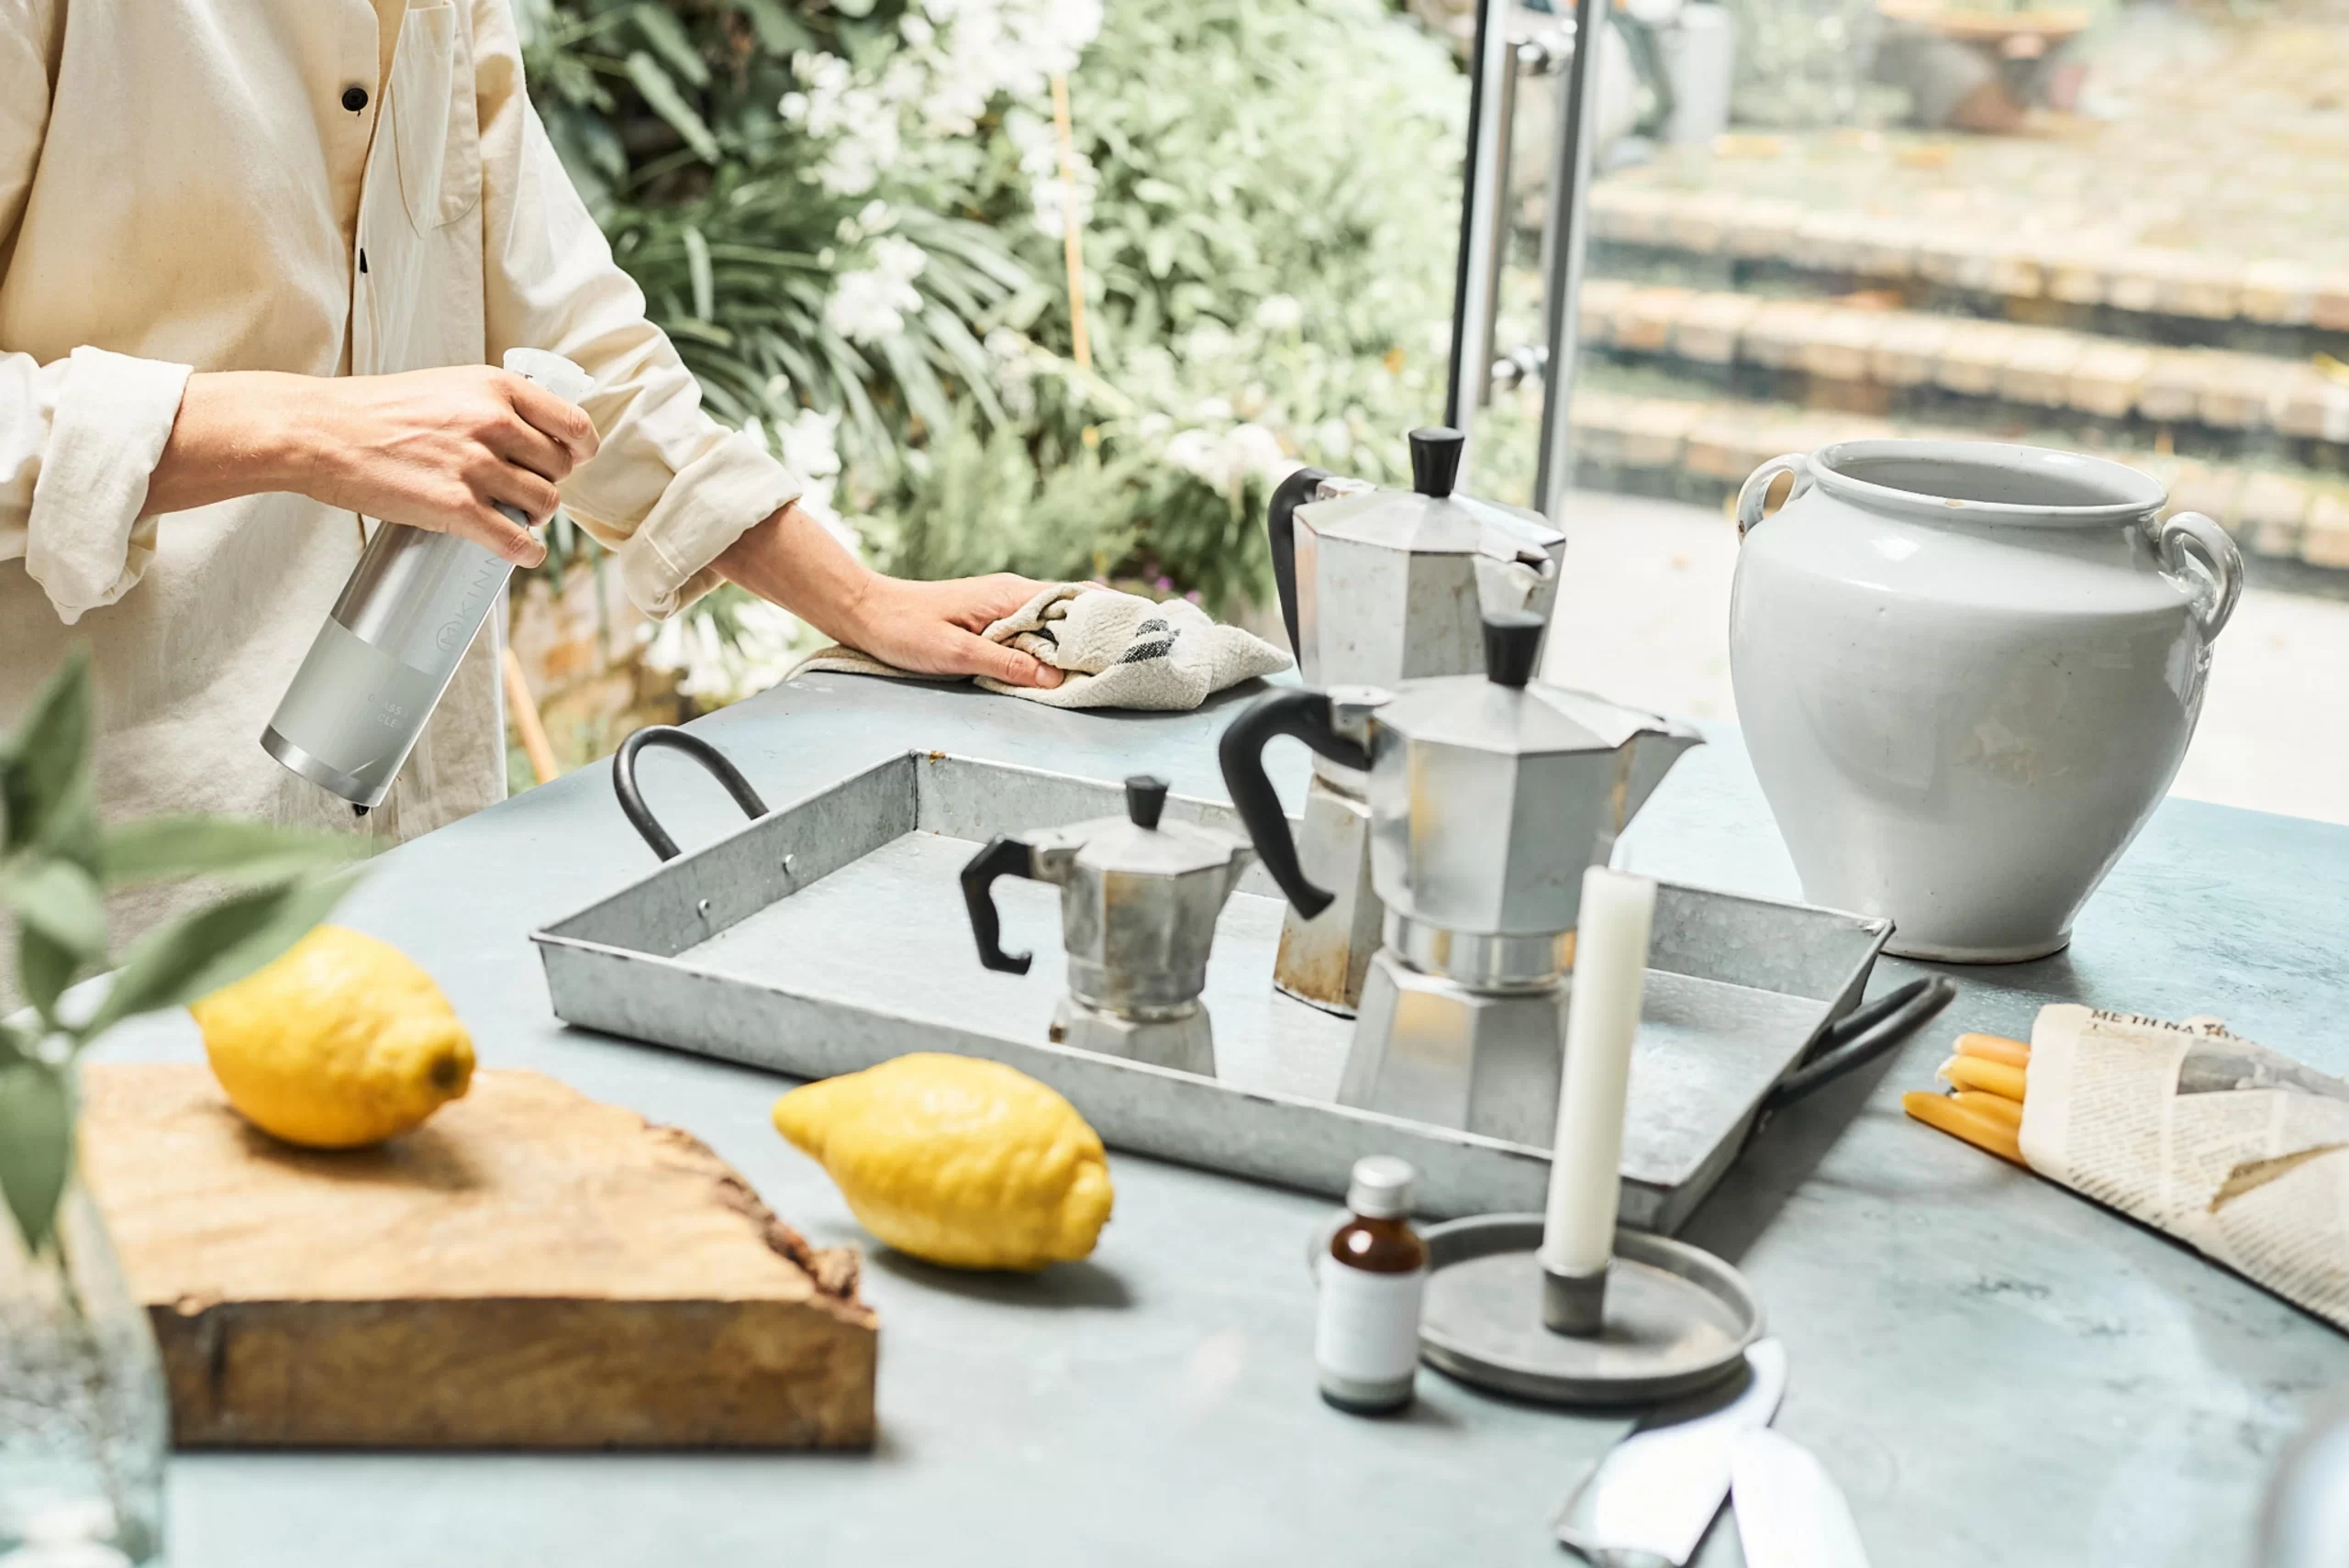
(1304, 149)
(984, 505)
(54, 859)
(1268, 243)
(36, 1144)
(666, 116)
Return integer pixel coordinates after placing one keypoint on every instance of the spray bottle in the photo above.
(412, 606)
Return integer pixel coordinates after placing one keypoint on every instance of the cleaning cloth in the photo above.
(1114, 650)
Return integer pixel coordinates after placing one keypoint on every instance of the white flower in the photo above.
(1210, 409)
(900, 260)
(757, 648)
(960, 57)
(1280, 313)
(1013, 358)
(1333, 439)
(808, 447)
(1250, 451)
(1204, 344)
(1196, 452)
(1226, 462)
(874, 217)
(869, 305)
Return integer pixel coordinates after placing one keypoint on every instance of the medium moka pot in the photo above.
(1139, 902)
(1489, 796)
(1379, 587)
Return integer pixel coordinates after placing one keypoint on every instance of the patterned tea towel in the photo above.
(1114, 651)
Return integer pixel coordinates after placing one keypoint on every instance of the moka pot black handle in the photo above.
(1004, 856)
(1280, 525)
(640, 816)
(1305, 714)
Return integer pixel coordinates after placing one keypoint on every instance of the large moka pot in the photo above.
(1379, 587)
(1489, 796)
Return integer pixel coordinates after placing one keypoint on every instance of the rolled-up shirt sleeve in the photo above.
(78, 438)
(80, 435)
(670, 488)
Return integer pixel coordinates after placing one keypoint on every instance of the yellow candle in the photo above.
(1603, 1015)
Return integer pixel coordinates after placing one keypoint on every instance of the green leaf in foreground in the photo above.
(166, 846)
(58, 900)
(193, 956)
(50, 766)
(36, 1145)
(45, 970)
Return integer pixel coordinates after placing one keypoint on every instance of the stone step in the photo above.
(1896, 351)
(2073, 270)
(1623, 440)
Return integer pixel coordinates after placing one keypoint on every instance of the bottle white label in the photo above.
(1368, 1327)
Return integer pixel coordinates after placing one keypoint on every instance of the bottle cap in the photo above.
(1381, 1187)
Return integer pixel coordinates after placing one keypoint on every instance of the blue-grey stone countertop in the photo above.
(1996, 1370)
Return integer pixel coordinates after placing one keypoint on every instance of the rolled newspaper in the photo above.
(2239, 1152)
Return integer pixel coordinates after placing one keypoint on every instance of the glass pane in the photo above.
(2107, 226)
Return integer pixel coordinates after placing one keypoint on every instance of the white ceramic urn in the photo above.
(1967, 672)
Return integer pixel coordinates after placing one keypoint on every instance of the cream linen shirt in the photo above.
(185, 185)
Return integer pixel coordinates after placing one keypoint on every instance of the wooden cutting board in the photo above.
(529, 1269)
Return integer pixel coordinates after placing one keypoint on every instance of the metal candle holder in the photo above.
(1664, 1319)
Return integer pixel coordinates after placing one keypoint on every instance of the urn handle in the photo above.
(1754, 495)
(2185, 535)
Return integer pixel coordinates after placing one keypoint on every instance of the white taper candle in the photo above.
(1610, 968)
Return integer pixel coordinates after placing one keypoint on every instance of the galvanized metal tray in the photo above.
(829, 935)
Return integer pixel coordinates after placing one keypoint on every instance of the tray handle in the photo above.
(1862, 1036)
(1307, 715)
(640, 816)
(1004, 856)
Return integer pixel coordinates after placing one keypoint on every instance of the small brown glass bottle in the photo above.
(1367, 1336)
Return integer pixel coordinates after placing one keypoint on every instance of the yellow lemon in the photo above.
(341, 1041)
(966, 1163)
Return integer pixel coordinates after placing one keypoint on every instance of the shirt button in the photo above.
(354, 98)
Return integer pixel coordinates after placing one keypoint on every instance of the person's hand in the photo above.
(932, 629)
(432, 448)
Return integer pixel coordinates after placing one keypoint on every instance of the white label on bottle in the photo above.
(1369, 1324)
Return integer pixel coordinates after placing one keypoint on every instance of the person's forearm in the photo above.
(238, 434)
(462, 449)
(931, 629)
(793, 561)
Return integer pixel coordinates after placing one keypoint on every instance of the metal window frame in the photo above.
(1499, 60)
